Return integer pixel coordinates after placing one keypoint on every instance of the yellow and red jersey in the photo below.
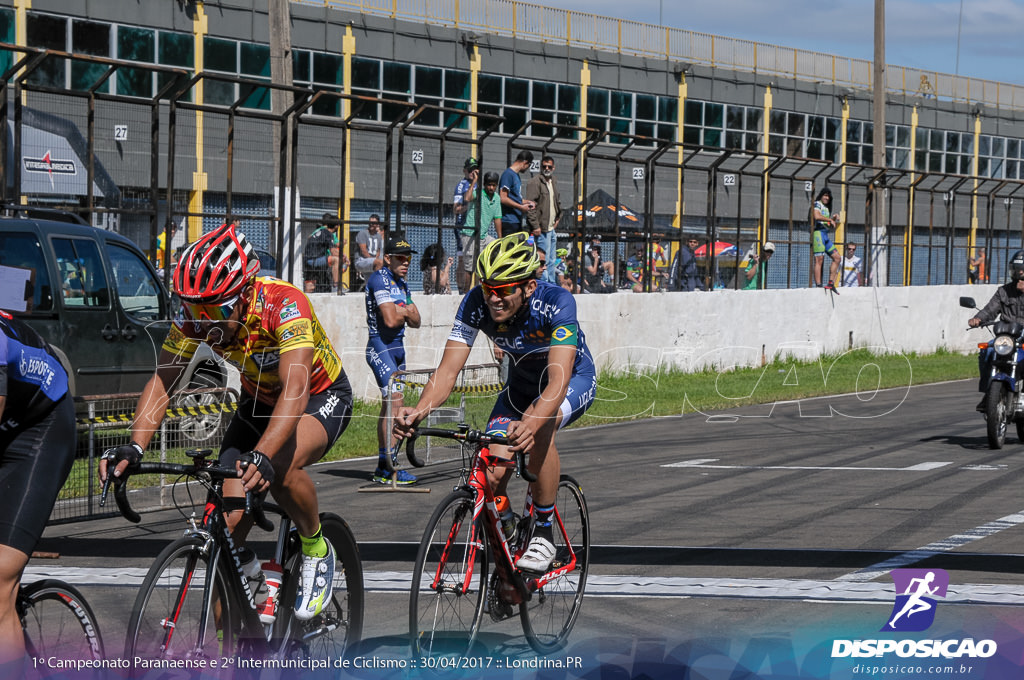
(279, 319)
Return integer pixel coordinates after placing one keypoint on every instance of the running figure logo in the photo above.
(914, 609)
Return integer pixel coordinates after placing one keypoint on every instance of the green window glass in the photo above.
(428, 81)
(136, 44)
(221, 55)
(328, 68)
(618, 125)
(218, 92)
(694, 113)
(622, 104)
(646, 107)
(569, 98)
(397, 77)
(300, 66)
(691, 135)
(456, 84)
(489, 88)
(454, 119)
(597, 101)
(93, 38)
(544, 95)
(517, 92)
(256, 97)
(568, 122)
(255, 60)
(175, 49)
(366, 74)
(668, 110)
(6, 35)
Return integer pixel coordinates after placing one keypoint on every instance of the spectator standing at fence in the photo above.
(542, 219)
(684, 275)
(513, 206)
(473, 237)
(757, 268)
(470, 171)
(389, 309)
(431, 262)
(320, 256)
(853, 271)
(821, 240)
(370, 247)
(976, 268)
(595, 269)
(635, 269)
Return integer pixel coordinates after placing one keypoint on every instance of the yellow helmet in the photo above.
(510, 258)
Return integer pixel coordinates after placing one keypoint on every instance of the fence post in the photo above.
(92, 453)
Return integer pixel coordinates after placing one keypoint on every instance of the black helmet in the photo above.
(1016, 266)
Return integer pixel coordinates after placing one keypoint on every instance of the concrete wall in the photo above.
(696, 330)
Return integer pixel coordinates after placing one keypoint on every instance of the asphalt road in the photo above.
(746, 540)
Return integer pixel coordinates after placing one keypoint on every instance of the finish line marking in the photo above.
(840, 591)
(706, 463)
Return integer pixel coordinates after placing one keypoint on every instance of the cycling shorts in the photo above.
(332, 408)
(821, 242)
(512, 403)
(384, 359)
(35, 459)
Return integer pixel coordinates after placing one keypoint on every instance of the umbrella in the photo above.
(721, 248)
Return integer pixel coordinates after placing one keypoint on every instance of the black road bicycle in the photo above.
(57, 621)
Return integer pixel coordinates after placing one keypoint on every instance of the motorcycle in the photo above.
(1003, 358)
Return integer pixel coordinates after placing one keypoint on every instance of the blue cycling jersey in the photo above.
(31, 376)
(548, 318)
(383, 286)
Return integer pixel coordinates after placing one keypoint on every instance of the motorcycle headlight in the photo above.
(1003, 345)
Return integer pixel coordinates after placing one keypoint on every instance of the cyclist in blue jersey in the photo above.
(551, 380)
(389, 309)
(37, 448)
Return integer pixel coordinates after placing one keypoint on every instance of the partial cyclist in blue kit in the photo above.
(389, 309)
(551, 381)
(37, 448)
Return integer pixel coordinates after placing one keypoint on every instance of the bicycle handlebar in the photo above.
(253, 500)
(466, 436)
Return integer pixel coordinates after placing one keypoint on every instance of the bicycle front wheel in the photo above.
(551, 613)
(446, 602)
(184, 608)
(58, 622)
(339, 627)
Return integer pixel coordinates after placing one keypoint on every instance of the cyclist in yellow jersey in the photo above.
(296, 398)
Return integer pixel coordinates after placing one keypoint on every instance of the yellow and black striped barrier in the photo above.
(177, 412)
(490, 388)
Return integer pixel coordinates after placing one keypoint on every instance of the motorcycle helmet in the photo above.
(1016, 266)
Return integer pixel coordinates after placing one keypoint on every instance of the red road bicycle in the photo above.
(453, 585)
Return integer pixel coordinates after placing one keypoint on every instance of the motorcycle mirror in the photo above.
(967, 302)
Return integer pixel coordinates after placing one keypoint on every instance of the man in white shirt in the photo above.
(853, 274)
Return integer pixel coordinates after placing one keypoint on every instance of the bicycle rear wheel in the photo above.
(446, 602)
(58, 622)
(184, 608)
(548, 617)
(338, 628)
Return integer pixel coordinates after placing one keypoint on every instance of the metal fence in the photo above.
(195, 419)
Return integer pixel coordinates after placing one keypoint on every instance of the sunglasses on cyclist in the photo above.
(502, 290)
(218, 312)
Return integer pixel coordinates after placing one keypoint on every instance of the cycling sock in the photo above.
(315, 545)
(542, 520)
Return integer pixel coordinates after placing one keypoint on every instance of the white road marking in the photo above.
(623, 586)
(945, 545)
(706, 463)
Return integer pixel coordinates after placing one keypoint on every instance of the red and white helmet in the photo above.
(216, 267)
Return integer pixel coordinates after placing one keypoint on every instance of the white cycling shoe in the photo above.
(538, 556)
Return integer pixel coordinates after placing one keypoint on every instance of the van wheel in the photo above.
(201, 427)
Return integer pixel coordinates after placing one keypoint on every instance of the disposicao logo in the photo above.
(916, 590)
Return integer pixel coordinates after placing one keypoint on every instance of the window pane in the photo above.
(7, 25)
(853, 130)
(390, 112)
(814, 148)
(255, 97)
(668, 110)
(952, 142)
(542, 130)
(47, 32)
(998, 144)
(569, 121)
(776, 145)
(621, 126)
(937, 140)
(1013, 148)
(646, 107)
(691, 135)
(693, 113)
(24, 251)
(777, 122)
(219, 92)
(514, 119)
(754, 120)
(713, 138)
(967, 144)
(221, 55)
(362, 109)
(833, 128)
(428, 81)
(597, 101)
(902, 136)
(90, 37)
(366, 73)
(429, 116)
(489, 89)
(543, 95)
(713, 114)
(327, 68)
(733, 140)
(816, 127)
(135, 82)
(622, 104)
(255, 59)
(795, 124)
(84, 75)
(136, 44)
(517, 92)
(84, 283)
(868, 136)
(300, 66)
(984, 145)
(667, 131)
(456, 84)
(137, 289)
(734, 117)
(890, 135)
(397, 77)
(460, 122)
(645, 129)
(176, 49)
(569, 98)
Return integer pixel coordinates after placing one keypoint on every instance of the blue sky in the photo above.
(919, 33)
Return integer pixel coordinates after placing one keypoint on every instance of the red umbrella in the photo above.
(721, 248)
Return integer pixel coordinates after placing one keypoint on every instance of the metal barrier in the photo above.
(196, 419)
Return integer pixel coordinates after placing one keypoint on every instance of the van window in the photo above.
(136, 286)
(18, 249)
(83, 281)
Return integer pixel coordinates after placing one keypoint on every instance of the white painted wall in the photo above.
(697, 330)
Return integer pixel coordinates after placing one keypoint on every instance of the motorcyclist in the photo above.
(1008, 304)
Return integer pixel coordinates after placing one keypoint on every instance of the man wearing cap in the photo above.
(389, 309)
(755, 271)
(475, 238)
(470, 172)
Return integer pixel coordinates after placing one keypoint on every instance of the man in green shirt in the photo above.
(474, 238)
(755, 271)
